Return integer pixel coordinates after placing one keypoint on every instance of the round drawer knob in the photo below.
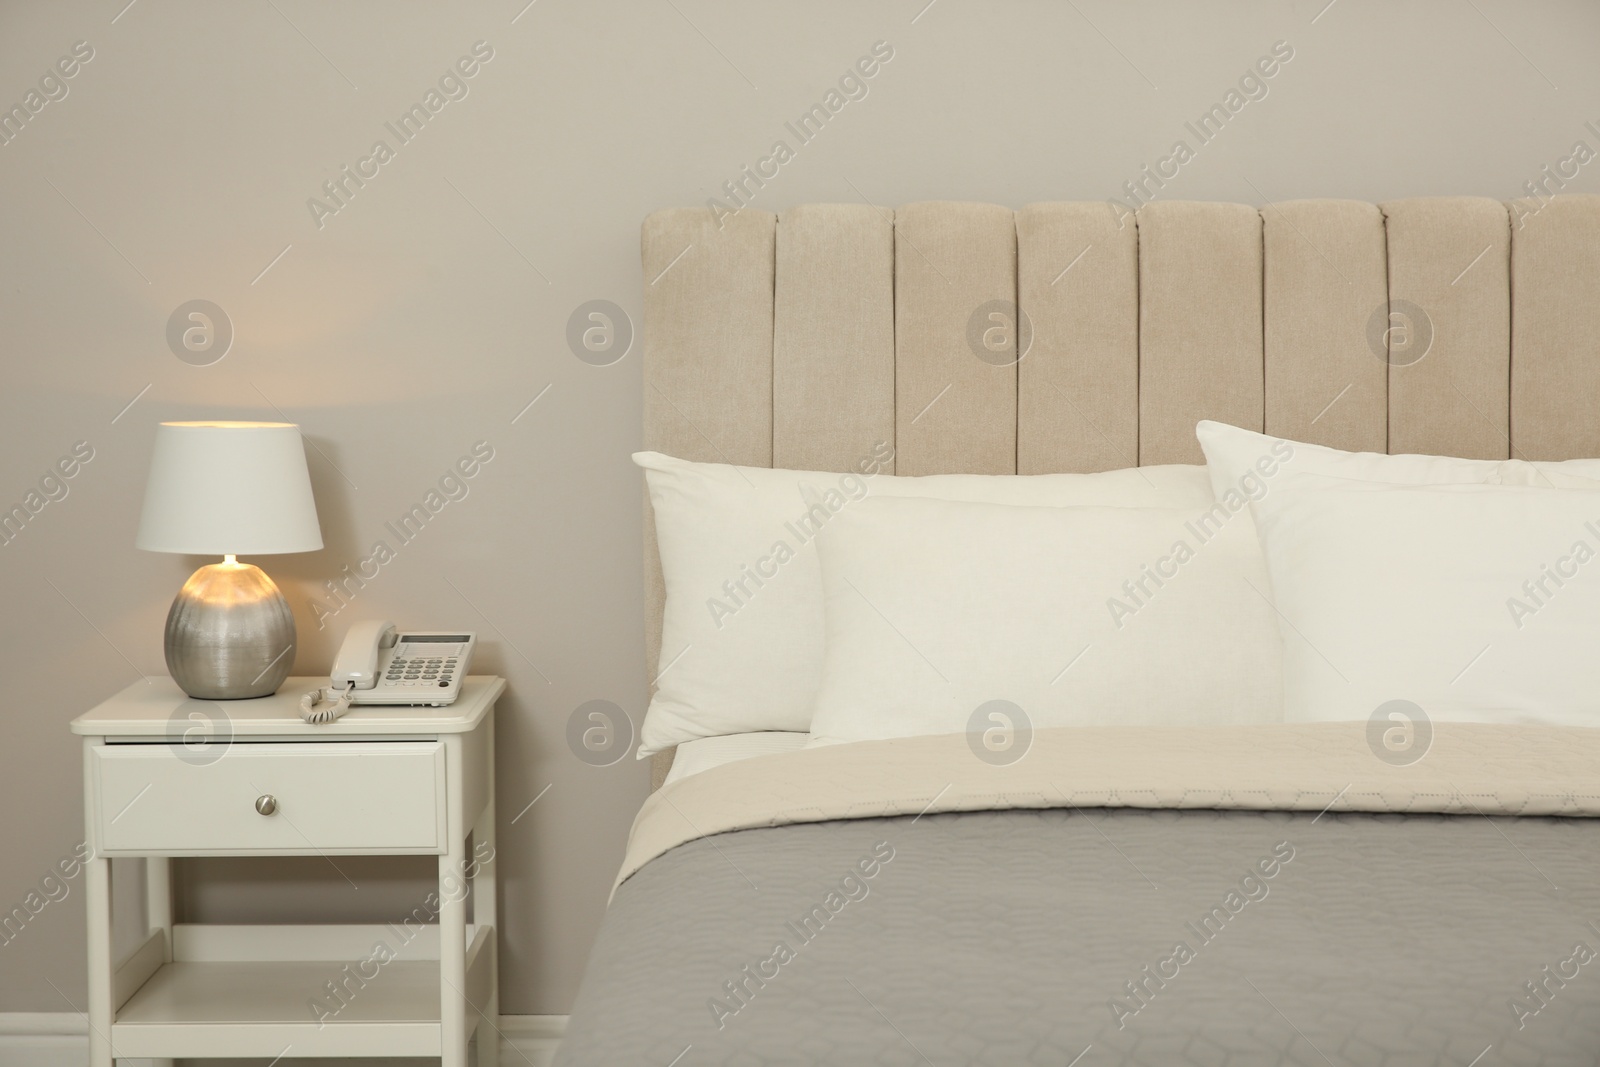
(267, 804)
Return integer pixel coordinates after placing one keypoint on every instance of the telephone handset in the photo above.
(357, 661)
(377, 665)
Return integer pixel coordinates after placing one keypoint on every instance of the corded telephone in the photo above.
(377, 665)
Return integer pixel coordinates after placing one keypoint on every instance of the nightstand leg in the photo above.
(486, 912)
(97, 894)
(158, 910)
(158, 899)
(453, 955)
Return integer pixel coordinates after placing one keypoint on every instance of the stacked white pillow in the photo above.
(862, 605)
(1476, 603)
(1462, 587)
(1073, 616)
(742, 633)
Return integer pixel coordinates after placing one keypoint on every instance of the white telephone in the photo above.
(377, 665)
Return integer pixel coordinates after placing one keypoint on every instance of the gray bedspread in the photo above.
(1109, 936)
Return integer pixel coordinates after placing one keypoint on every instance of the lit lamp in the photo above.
(227, 489)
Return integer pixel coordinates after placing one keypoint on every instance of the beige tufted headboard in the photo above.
(1460, 326)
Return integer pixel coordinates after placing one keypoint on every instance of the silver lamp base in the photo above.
(230, 634)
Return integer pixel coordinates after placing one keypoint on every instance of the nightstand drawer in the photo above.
(319, 797)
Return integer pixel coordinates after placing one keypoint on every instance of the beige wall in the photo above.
(427, 312)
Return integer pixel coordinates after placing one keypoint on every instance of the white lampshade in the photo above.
(219, 488)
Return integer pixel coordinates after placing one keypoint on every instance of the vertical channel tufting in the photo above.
(1324, 279)
(1199, 324)
(1078, 384)
(1555, 327)
(1449, 326)
(833, 336)
(955, 369)
(708, 336)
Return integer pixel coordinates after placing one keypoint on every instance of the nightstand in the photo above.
(166, 775)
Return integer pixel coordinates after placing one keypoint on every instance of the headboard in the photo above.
(1460, 326)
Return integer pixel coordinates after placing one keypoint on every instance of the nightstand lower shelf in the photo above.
(381, 1003)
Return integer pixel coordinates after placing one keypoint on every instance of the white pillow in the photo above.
(741, 646)
(1477, 603)
(1078, 616)
(1240, 460)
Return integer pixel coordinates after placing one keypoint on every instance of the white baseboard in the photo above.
(60, 1039)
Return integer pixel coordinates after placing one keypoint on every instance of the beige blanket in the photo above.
(1468, 769)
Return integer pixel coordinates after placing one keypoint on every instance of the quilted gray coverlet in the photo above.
(1088, 937)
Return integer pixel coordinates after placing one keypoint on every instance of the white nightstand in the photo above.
(254, 780)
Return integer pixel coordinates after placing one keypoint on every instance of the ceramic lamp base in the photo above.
(230, 634)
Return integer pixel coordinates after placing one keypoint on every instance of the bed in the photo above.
(1261, 893)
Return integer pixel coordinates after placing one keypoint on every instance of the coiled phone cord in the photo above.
(338, 703)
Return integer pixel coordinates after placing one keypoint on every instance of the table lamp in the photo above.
(229, 489)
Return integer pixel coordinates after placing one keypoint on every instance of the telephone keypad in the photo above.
(421, 672)
(418, 669)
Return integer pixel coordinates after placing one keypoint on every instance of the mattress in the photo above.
(1265, 895)
(702, 754)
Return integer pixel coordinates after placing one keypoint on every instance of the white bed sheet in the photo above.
(703, 753)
